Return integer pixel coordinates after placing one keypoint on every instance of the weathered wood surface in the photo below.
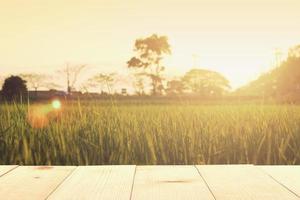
(97, 182)
(32, 182)
(150, 182)
(169, 182)
(6, 168)
(242, 182)
(288, 176)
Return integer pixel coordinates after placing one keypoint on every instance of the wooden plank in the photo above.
(242, 182)
(289, 176)
(97, 182)
(169, 182)
(6, 168)
(28, 182)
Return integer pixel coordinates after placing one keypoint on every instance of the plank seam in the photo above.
(133, 181)
(9, 171)
(278, 182)
(69, 175)
(205, 182)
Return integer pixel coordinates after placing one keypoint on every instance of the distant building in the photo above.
(124, 91)
(49, 94)
(75, 94)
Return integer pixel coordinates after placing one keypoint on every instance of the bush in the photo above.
(14, 89)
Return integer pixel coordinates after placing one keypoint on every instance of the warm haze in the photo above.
(235, 38)
(150, 99)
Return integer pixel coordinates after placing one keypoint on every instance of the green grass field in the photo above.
(139, 133)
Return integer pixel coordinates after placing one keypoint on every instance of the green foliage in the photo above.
(35, 81)
(205, 82)
(175, 87)
(102, 80)
(14, 88)
(101, 133)
(283, 82)
(150, 52)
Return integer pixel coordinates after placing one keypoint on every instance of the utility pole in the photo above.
(68, 79)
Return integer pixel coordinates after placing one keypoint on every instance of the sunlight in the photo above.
(56, 104)
(150, 99)
(239, 69)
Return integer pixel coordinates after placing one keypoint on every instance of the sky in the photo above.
(237, 38)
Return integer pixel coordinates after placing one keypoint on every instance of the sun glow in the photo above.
(235, 38)
(56, 104)
(239, 64)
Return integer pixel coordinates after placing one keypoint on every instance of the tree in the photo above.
(103, 80)
(139, 84)
(1, 81)
(282, 82)
(294, 52)
(205, 82)
(150, 52)
(14, 88)
(175, 87)
(36, 81)
(71, 74)
(286, 78)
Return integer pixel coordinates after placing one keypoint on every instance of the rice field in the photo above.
(90, 133)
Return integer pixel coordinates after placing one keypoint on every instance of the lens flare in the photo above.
(38, 116)
(56, 104)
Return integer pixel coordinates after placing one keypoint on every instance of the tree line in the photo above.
(147, 71)
(282, 82)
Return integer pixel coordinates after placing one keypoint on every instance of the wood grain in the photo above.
(242, 182)
(150, 182)
(289, 176)
(97, 182)
(28, 182)
(4, 169)
(169, 182)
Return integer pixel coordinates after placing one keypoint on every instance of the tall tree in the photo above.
(139, 84)
(35, 80)
(149, 54)
(282, 82)
(175, 87)
(206, 82)
(14, 88)
(294, 52)
(71, 73)
(286, 78)
(103, 81)
(1, 81)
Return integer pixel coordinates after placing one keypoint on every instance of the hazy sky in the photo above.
(234, 37)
